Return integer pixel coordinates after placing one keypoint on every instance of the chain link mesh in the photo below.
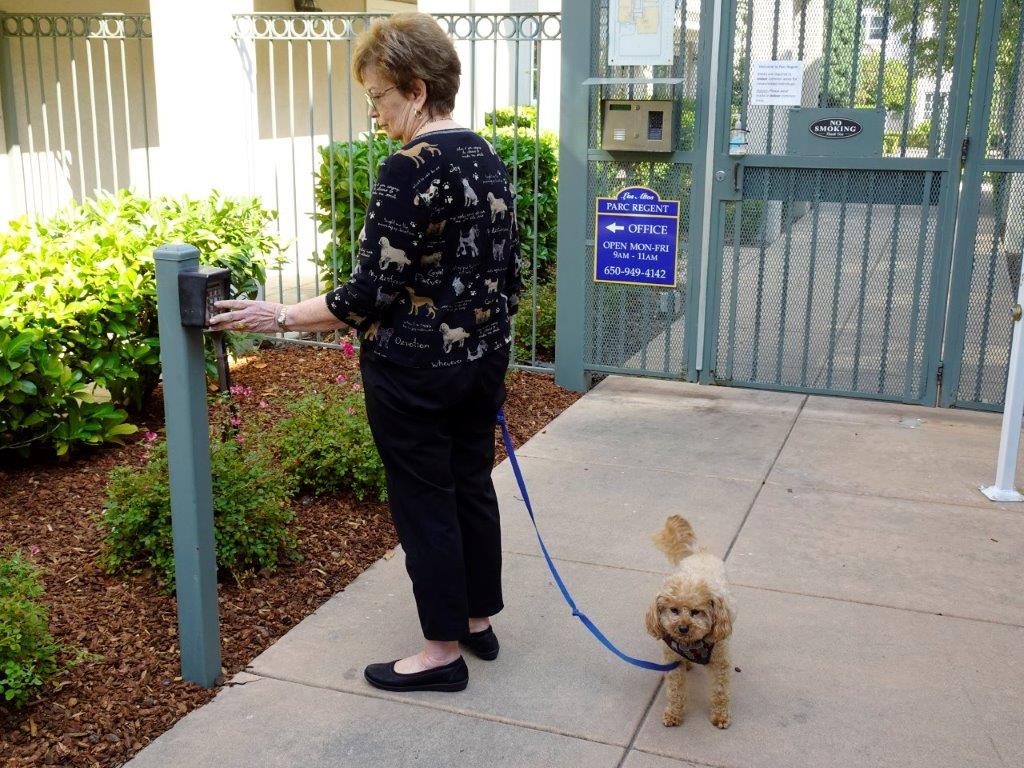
(634, 327)
(684, 94)
(1006, 121)
(857, 54)
(993, 290)
(825, 280)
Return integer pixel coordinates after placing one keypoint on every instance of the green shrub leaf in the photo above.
(27, 650)
(78, 304)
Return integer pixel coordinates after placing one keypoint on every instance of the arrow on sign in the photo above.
(613, 227)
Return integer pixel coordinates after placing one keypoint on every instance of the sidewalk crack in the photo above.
(764, 480)
(640, 723)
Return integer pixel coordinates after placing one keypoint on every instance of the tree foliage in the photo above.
(894, 84)
(939, 47)
(844, 47)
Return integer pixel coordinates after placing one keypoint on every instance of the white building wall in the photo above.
(48, 162)
(503, 78)
(206, 138)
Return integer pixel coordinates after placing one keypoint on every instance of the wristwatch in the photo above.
(282, 318)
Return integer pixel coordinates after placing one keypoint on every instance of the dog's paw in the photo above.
(720, 719)
(671, 718)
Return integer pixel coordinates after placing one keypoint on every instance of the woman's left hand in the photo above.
(245, 316)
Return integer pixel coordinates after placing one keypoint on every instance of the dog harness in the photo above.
(698, 653)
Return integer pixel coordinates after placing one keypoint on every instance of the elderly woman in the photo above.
(431, 296)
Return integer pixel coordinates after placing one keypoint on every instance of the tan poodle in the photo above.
(693, 614)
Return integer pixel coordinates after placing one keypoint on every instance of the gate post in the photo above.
(571, 276)
(718, 68)
(966, 205)
(188, 459)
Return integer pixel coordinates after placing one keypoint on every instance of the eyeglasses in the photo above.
(371, 99)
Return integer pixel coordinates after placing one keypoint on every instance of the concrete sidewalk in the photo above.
(881, 615)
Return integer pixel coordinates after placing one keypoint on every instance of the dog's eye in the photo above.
(674, 611)
(695, 612)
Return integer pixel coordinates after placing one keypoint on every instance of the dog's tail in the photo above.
(677, 539)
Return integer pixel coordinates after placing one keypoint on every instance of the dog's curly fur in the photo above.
(693, 604)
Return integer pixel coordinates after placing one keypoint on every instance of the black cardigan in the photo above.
(438, 270)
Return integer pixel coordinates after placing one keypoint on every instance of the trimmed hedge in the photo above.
(341, 203)
(544, 317)
(509, 117)
(917, 137)
(27, 651)
(251, 513)
(78, 308)
(326, 446)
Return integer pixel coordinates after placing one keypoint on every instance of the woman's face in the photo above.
(394, 110)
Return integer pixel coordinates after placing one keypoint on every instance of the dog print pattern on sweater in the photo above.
(437, 273)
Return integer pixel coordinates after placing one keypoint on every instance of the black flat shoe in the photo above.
(450, 677)
(483, 644)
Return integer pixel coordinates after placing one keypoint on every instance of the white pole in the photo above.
(1013, 409)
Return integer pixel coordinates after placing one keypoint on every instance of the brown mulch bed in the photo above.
(127, 690)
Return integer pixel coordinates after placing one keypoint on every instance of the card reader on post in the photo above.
(198, 291)
(636, 125)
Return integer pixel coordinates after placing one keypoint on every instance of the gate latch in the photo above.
(730, 180)
(1018, 312)
(963, 150)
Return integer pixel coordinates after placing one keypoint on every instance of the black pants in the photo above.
(434, 429)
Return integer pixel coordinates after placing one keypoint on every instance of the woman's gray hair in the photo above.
(407, 46)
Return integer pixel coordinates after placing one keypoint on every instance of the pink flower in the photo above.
(341, 378)
(350, 411)
(241, 391)
(235, 421)
(264, 405)
(347, 349)
(34, 550)
(240, 439)
(356, 387)
(150, 437)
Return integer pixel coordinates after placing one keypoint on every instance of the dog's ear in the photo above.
(721, 620)
(653, 622)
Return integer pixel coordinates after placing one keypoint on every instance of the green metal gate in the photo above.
(990, 233)
(830, 274)
(811, 267)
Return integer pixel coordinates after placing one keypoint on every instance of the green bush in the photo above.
(520, 154)
(754, 222)
(78, 307)
(27, 650)
(509, 117)
(687, 123)
(341, 203)
(326, 446)
(894, 83)
(544, 317)
(916, 137)
(250, 513)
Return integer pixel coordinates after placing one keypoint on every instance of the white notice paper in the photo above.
(777, 82)
(640, 32)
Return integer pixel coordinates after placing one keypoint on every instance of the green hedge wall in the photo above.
(78, 328)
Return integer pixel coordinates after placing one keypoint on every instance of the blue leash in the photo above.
(554, 571)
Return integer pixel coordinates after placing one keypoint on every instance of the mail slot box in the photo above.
(636, 125)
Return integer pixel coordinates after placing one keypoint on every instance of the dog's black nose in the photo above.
(682, 630)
